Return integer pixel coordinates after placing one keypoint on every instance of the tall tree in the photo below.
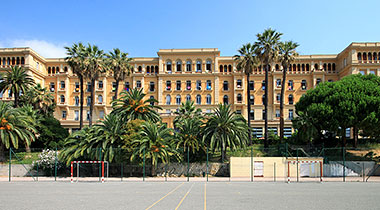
(40, 98)
(267, 51)
(225, 129)
(75, 60)
(94, 63)
(246, 62)
(287, 54)
(187, 110)
(118, 64)
(17, 81)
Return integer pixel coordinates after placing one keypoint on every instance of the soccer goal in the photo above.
(88, 162)
(305, 169)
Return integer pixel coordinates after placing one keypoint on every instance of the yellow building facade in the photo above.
(200, 75)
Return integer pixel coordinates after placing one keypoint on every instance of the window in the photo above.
(178, 100)
(348, 132)
(372, 72)
(199, 66)
(238, 111)
(88, 86)
(168, 99)
(359, 56)
(252, 114)
(251, 85)
(52, 87)
(168, 85)
(188, 65)
(138, 84)
(62, 85)
(287, 132)
(198, 99)
(126, 86)
(263, 99)
(225, 68)
(239, 98)
(239, 83)
(225, 99)
(263, 85)
(257, 132)
(290, 85)
(229, 68)
(188, 85)
(88, 100)
(225, 85)
(169, 66)
(208, 65)
(100, 99)
(291, 99)
(76, 100)
(278, 83)
(88, 116)
(264, 115)
(152, 100)
(101, 114)
(178, 85)
(252, 99)
(151, 86)
(273, 130)
(62, 99)
(76, 115)
(278, 97)
(318, 81)
(277, 113)
(362, 72)
(330, 80)
(188, 97)
(208, 99)
(179, 66)
(65, 69)
(76, 89)
(303, 85)
(139, 69)
(38, 66)
(64, 114)
(199, 85)
(290, 114)
(100, 84)
(208, 84)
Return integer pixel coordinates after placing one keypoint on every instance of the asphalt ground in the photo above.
(189, 195)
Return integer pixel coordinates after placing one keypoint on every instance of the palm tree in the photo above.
(287, 54)
(75, 60)
(225, 129)
(14, 127)
(94, 63)
(185, 111)
(246, 62)
(155, 144)
(17, 81)
(188, 134)
(267, 50)
(40, 98)
(118, 65)
(131, 106)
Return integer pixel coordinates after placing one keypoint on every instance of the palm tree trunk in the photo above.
(221, 154)
(81, 102)
(355, 132)
(16, 100)
(344, 137)
(249, 111)
(117, 88)
(266, 107)
(282, 104)
(2, 152)
(153, 169)
(92, 101)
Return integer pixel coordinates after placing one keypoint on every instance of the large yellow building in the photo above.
(201, 75)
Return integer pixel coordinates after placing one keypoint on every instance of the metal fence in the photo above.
(277, 163)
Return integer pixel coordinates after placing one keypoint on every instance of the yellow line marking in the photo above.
(184, 197)
(165, 196)
(205, 198)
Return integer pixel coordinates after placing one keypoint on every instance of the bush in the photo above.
(46, 161)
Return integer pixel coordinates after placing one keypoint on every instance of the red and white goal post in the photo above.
(319, 162)
(87, 162)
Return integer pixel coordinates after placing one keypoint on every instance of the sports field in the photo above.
(188, 195)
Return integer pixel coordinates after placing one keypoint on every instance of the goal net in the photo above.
(78, 166)
(305, 170)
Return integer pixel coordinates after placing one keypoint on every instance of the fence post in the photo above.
(274, 172)
(363, 172)
(297, 166)
(166, 171)
(207, 163)
(55, 165)
(100, 164)
(344, 163)
(10, 164)
(252, 169)
(121, 175)
(188, 164)
(37, 171)
(144, 165)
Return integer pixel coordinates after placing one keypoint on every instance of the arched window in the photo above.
(151, 86)
(198, 99)
(178, 100)
(329, 67)
(100, 99)
(225, 85)
(303, 67)
(298, 67)
(156, 69)
(251, 85)
(251, 99)
(168, 99)
(22, 60)
(76, 101)
(229, 68)
(57, 70)
(178, 85)
(307, 67)
(13, 61)
(325, 66)
(369, 56)
(148, 69)
(238, 83)
(53, 70)
(62, 99)
(4, 62)
(225, 99)
(208, 99)
(365, 56)
(333, 67)
(294, 67)
(49, 70)
(239, 98)
(65, 69)
(199, 66)
(17, 61)
(152, 100)
(290, 98)
(375, 56)
(9, 61)
(360, 56)
(221, 68)
(303, 85)
(168, 85)
(188, 65)
(199, 85)
(316, 67)
(188, 85)
(179, 66)
(290, 67)
(277, 67)
(208, 65)
(225, 68)
(169, 66)
(188, 97)
(139, 69)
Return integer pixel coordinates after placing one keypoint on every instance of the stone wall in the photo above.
(195, 169)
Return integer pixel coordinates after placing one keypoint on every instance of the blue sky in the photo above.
(143, 27)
